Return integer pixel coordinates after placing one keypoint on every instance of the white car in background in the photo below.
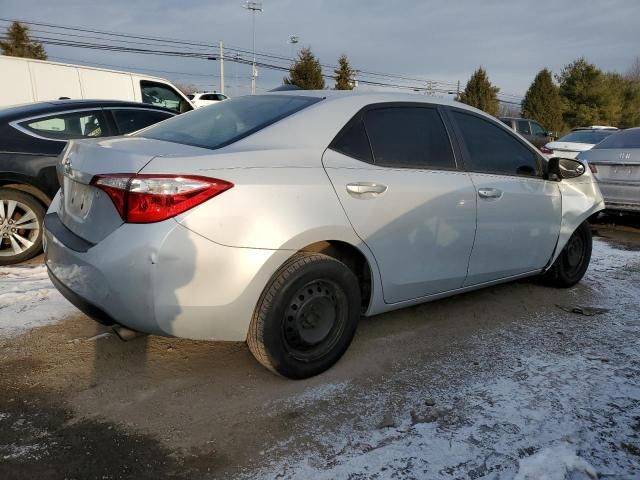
(579, 140)
(203, 99)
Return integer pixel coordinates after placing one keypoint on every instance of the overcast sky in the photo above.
(440, 40)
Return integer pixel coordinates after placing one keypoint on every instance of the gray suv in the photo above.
(529, 129)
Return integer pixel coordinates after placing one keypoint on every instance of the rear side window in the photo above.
(523, 127)
(493, 150)
(228, 121)
(353, 142)
(409, 137)
(624, 139)
(130, 120)
(65, 126)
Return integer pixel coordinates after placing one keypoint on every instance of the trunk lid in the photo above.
(615, 165)
(568, 149)
(86, 210)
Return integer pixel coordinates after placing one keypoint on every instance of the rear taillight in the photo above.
(546, 151)
(593, 168)
(153, 198)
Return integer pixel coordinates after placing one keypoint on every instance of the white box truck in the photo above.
(24, 80)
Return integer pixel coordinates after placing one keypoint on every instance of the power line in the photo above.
(195, 49)
(192, 44)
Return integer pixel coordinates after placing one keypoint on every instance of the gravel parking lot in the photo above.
(511, 381)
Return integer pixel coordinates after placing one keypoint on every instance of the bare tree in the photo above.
(186, 88)
(508, 110)
(634, 71)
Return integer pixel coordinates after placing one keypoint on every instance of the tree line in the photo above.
(580, 95)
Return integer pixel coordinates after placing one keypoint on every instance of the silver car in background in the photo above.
(615, 163)
(281, 219)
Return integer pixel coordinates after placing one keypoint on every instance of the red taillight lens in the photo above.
(153, 198)
(546, 151)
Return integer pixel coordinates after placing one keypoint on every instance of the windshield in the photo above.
(586, 136)
(624, 139)
(226, 122)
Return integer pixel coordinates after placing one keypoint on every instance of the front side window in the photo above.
(492, 149)
(523, 127)
(65, 126)
(131, 119)
(162, 95)
(409, 137)
(229, 121)
(537, 130)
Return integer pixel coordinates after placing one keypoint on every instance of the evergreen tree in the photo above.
(585, 90)
(306, 72)
(543, 102)
(19, 44)
(480, 93)
(344, 74)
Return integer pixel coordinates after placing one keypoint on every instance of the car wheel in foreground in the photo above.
(21, 218)
(571, 265)
(306, 316)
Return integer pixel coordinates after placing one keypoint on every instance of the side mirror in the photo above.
(563, 168)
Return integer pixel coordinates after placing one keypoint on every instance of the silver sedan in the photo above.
(281, 219)
(615, 163)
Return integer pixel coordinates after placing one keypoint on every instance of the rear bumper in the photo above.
(620, 196)
(163, 279)
(82, 304)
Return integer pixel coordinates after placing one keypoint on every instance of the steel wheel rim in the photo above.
(575, 253)
(19, 228)
(314, 319)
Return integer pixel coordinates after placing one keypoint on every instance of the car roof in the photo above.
(371, 96)
(54, 106)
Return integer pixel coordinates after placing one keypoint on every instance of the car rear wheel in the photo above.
(306, 317)
(572, 264)
(21, 217)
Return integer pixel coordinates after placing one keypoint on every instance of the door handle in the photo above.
(360, 188)
(489, 193)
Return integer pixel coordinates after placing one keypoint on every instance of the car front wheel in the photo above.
(573, 261)
(21, 218)
(306, 317)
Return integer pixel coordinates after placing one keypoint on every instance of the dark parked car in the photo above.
(31, 137)
(529, 129)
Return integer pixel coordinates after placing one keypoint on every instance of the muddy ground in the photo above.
(459, 388)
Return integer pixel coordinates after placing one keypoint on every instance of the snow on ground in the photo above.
(553, 409)
(29, 300)
(554, 463)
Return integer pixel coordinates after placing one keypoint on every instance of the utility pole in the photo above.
(221, 59)
(254, 6)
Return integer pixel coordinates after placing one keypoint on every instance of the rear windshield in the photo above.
(586, 136)
(229, 121)
(624, 139)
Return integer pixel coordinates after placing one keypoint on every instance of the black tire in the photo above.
(573, 261)
(306, 316)
(10, 232)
